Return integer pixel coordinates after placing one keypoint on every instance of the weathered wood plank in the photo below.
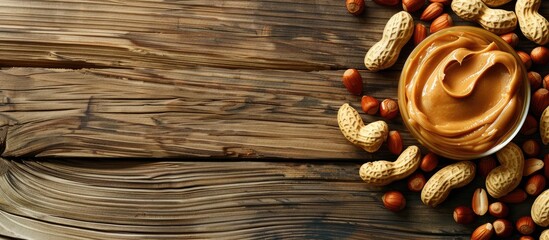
(66, 199)
(298, 35)
(188, 112)
(303, 35)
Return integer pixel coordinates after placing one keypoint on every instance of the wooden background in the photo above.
(124, 119)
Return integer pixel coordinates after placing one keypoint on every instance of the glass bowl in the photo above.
(441, 142)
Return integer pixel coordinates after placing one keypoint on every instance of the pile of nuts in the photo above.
(523, 169)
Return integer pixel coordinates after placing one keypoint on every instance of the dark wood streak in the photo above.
(169, 200)
(187, 112)
(142, 81)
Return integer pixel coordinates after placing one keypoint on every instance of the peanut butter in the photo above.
(464, 93)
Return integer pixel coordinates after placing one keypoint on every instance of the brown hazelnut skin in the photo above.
(535, 80)
(531, 148)
(525, 225)
(464, 215)
(516, 196)
(540, 101)
(429, 162)
(394, 201)
(486, 165)
(355, 7)
(540, 55)
(498, 209)
(352, 80)
(535, 185)
(525, 58)
(511, 38)
(394, 142)
(530, 125)
(387, 2)
(369, 105)
(483, 232)
(388, 109)
(416, 182)
(503, 227)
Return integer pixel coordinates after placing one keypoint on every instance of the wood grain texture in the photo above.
(188, 112)
(299, 35)
(197, 78)
(149, 79)
(67, 199)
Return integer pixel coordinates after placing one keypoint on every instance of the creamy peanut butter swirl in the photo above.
(463, 93)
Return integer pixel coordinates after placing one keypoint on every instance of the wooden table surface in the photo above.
(165, 119)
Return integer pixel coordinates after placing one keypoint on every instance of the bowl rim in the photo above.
(512, 133)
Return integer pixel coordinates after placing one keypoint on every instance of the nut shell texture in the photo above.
(438, 187)
(505, 178)
(540, 209)
(396, 33)
(532, 24)
(369, 137)
(381, 173)
(498, 21)
(544, 126)
(544, 235)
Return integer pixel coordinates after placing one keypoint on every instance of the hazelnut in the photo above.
(516, 196)
(412, 5)
(353, 81)
(394, 142)
(429, 162)
(503, 228)
(484, 232)
(416, 182)
(420, 33)
(530, 125)
(388, 109)
(432, 11)
(355, 7)
(369, 105)
(394, 201)
(444, 2)
(441, 22)
(535, 185)
(540, 101)
(532, 165)
(531, 148)
(525, 58)
(535, 80)
(526, 238)
(511, 38)
(387, 2)
(498, 209)
(486, 165)
(540, 55)
(464, 215)
(525, 225)
(545, 82)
